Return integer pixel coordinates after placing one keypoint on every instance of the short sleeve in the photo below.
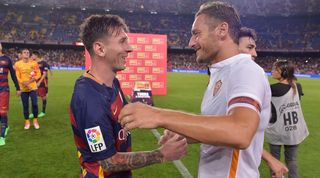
(246, 87)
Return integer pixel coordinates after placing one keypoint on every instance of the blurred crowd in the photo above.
(54, 57)
(304, 65)
(245, 7)
(54, 25)
(185, 60)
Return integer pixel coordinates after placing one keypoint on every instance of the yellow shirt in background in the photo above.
(27, 71)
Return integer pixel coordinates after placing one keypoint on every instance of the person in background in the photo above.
(5, 67)
(287, 126)
(247, 45)
(28, 72)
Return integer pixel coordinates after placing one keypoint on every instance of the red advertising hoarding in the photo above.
(147, 62)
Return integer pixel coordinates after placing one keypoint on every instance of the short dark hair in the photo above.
(248, 32)
(225, 13)
(98, 26)
(36, 53)
(20, 51)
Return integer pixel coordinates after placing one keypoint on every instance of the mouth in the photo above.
(196, 49)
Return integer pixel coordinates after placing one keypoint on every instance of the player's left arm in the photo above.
(277, 167)
(13, 75)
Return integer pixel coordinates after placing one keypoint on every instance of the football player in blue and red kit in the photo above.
(104, 147)
(42, 83)
(5, 67)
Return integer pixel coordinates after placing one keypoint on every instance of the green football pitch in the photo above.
(50, 151)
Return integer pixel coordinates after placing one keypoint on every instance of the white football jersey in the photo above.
(236, 81)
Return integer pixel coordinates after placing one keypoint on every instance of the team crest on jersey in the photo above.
(95, 139)
(217, 87)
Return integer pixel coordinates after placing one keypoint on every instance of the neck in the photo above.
(102, 72)
(25, 59)
(227, 51)
(284, 81)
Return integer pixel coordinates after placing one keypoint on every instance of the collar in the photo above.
(89, 75)
(229, 61)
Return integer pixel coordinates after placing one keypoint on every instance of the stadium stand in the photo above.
(281, 27)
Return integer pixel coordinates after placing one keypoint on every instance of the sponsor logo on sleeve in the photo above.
(95, 139)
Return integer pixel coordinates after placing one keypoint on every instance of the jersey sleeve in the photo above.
(18, 72)
(45, 66)
(246, 88)
(13, 75)
(95, 128)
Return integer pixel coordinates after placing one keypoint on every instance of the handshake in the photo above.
(138, 115)
(173, 146)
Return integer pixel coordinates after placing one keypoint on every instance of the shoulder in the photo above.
(5, 57)
(244, 69)
(18, 63)
(82, 87)
(44, 62)
(245, 64)
(279, 89)
(87, 91)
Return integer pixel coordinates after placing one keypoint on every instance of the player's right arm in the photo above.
(172, 149)
(18, 72)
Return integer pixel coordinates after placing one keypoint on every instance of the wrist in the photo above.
(160, 154)
(158, 118)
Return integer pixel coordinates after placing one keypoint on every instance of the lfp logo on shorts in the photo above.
(95, 139)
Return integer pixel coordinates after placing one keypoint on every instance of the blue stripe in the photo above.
(4, 80)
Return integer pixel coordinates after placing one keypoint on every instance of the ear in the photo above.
(98, 49)
(223, 30)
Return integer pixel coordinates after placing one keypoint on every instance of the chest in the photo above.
(215, 97)
(116, 107)
(26, 68)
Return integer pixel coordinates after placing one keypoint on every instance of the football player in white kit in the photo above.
(235, 109)
(247, 45)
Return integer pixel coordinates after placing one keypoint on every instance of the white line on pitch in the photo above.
(180, 166)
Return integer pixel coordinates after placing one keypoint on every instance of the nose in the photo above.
(191, 42)
(129, 48)
(254, 54)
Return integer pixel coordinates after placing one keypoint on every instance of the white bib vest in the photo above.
(290, 127)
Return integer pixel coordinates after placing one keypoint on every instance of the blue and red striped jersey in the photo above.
(5, 67)
(43, 66)
(98, 135)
